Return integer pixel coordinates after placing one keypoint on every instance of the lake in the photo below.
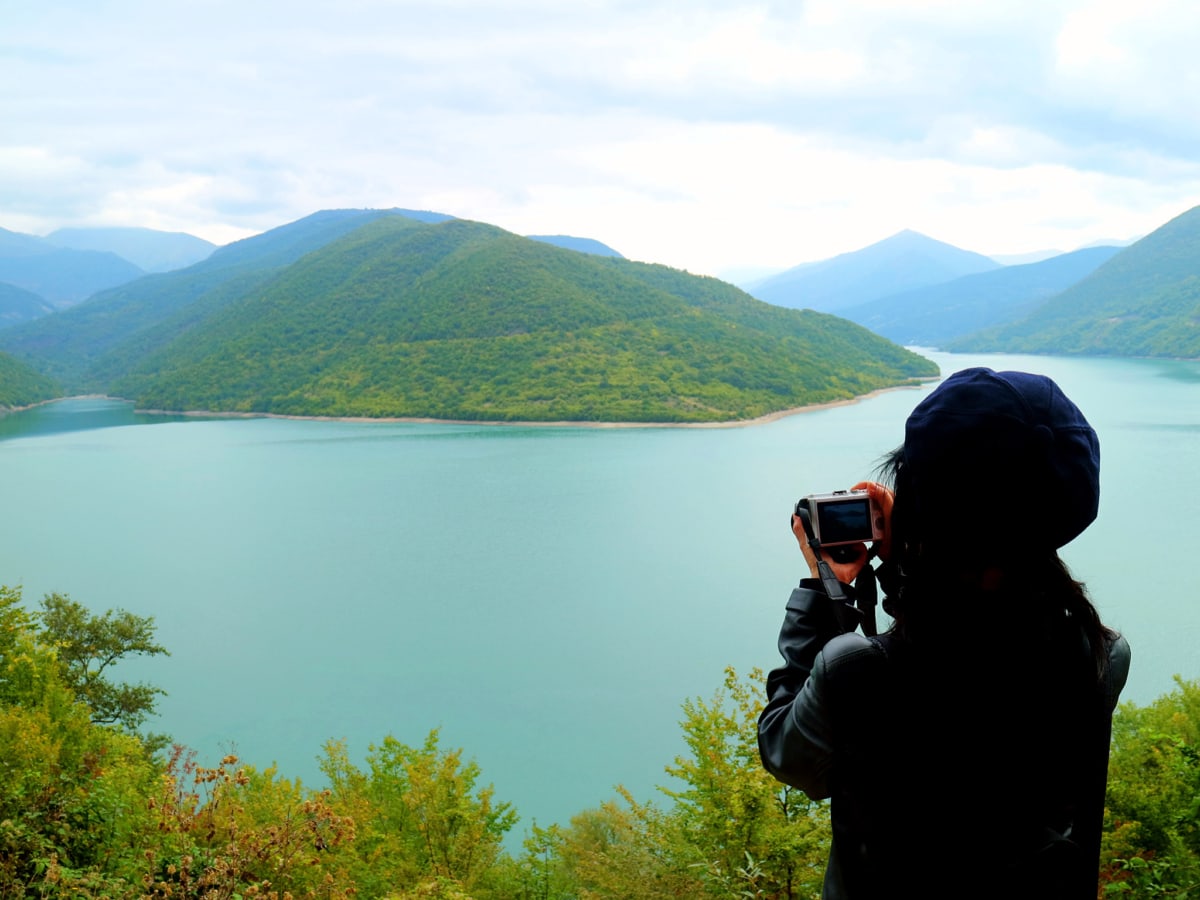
(547, 597)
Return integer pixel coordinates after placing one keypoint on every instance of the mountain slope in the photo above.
(19, 305)
(22, 386)
(903, 262)
(58, 275)
(466, 321)
(148, 249)
(129, 321)
(931, 316)
(1145, 301)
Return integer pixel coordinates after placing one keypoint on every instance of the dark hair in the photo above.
(938, 584)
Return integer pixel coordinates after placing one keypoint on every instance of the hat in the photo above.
(1002, 456)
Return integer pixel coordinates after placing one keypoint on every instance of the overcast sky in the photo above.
(712, 136)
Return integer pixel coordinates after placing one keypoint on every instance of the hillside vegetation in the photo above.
(86, 346)
(89, 811)
(1145, 301)
(934, 315)
(21, 386)
(461, 320)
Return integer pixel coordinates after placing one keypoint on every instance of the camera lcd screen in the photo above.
(845, 521)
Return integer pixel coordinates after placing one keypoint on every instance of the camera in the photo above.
(843, 517)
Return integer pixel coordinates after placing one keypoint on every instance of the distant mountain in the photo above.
(461, 320)
(22, 386)
(581, 245)
(931, 316)
(149, 250)
(19, 305)
(903, 262)
(82, 347)
(1145, 301)
(60, 276)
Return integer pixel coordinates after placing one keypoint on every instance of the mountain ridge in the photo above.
(1144, 301)
(352, 313)
(905, 261)
(930, 316)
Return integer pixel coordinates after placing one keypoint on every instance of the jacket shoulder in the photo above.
(850, 653)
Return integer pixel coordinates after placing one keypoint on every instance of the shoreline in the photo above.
(735, 423)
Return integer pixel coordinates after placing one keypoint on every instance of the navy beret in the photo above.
(1002, 456)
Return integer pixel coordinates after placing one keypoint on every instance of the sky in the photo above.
(724, 138)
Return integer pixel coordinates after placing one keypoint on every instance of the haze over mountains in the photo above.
(150, 250)
(415, 313)
(932, 315)
(905, 261)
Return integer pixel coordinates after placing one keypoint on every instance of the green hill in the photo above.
(1145, 301)
(461, 320)
(88, 345)
(933, 315)
(21, 386)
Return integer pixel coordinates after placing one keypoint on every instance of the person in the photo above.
(966, 749)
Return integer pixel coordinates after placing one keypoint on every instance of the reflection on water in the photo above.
(76, 414)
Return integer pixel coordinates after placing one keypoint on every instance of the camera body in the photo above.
(843, 517)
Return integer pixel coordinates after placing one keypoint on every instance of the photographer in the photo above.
(965, 750)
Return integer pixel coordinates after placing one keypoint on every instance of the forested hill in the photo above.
(1145, 301)
(461, 320)
(21, 386)
(86, 346)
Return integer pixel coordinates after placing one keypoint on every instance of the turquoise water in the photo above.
(547, 597)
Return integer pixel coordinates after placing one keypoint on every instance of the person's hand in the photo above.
(884, 500)
(847, 571)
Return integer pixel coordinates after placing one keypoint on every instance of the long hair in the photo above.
(988, 581)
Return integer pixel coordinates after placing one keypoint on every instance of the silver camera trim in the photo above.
(815, 501)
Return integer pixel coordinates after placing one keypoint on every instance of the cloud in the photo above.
(704, 134)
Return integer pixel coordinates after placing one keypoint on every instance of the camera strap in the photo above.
(866, 592)
(866, 597)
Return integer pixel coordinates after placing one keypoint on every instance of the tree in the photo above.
(71, 792)
(89, 646)
(422, 818)
(749, 834)
(626, 851)
(225, 832)
(1151, 844)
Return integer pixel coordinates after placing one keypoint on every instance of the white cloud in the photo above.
(705, 134)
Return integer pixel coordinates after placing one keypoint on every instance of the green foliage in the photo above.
(744, 829)
(71, 793)
(1145, 301)
(228, 833)
(89, 646)
(421, 817)
(731, 831)
(1152, 828)
(22, 386)
(465, 321)
(83, 346)
(87, 812)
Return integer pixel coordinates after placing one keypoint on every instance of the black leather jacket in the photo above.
(967, 771)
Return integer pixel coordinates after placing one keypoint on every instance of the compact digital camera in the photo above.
(843, 517)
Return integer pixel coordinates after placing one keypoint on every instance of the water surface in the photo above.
(547, 597)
